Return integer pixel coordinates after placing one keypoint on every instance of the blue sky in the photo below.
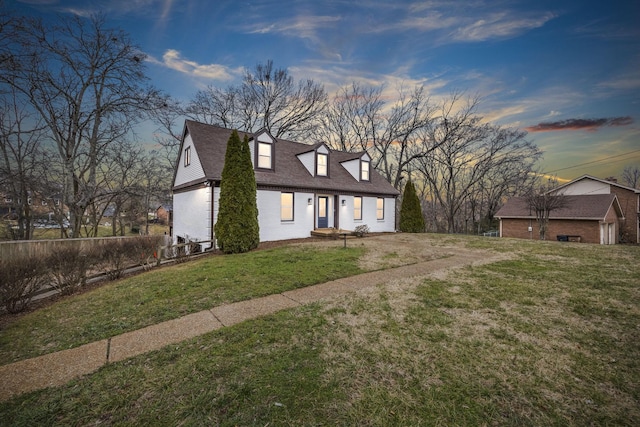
(567, 71)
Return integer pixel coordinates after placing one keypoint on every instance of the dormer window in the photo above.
(265, 155)
(364, 170)
(322, 167)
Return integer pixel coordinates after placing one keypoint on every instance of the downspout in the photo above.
(213, 236)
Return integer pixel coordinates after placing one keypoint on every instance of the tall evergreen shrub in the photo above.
(237, 227)
(411, 219)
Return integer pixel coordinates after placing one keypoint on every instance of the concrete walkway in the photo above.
(58, 368)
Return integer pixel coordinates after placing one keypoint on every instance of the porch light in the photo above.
(344, 202)
(309, 201)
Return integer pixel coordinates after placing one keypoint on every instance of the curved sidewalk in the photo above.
(58, 368)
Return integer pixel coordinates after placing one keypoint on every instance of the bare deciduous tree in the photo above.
(20, 161)
(631, 176)
(86, 82)
(268, 98)
(467, 154)
(394, 132)
(543, 201)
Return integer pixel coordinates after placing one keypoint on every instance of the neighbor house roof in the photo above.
(593, 178)
(583, 207)
(210, 143)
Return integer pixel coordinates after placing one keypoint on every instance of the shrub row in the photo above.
(67, 268)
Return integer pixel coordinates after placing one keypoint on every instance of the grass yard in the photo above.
(168, 293)
(550, 335)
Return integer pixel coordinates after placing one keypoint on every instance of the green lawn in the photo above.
(170, 292)
(547, 336)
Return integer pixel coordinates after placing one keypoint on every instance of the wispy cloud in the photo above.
(626, 82)
(499, 25)
(173, 60)
(434, 21)
(304, 26)
(335, 77)
(311, 28)
(160, 8)
(607, 30)
(581, 124)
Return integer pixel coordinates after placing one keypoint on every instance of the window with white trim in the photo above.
(364, 170)
(380, 208)
(265, 155)
(357, 208)
(321, 165)
(286, 206)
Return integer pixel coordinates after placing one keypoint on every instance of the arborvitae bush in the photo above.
(411, 219)
(19, 279)
(237, 228)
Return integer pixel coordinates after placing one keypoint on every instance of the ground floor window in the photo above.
(357, 208)
(286, 206)
(380, 208)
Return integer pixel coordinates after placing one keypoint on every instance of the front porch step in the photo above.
(332, 233)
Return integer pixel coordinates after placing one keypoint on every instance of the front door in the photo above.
(323, 212)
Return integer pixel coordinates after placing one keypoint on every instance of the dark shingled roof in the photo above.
(210, 143)
(585, 207)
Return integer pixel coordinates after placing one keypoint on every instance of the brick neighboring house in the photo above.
(164, 214)
(628, 198)
(593, 218)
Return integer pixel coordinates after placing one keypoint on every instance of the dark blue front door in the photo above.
(323, 209)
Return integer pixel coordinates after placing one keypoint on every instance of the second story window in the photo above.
(322, 165)
(364, 171)
(265, 155)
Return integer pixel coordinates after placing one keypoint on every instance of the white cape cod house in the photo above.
(301, 187)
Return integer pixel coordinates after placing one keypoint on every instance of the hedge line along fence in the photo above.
(66, 266)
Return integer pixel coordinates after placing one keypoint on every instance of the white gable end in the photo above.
(353, 167)
(586, 186)
(264, 137)
(308, 160)
(191, 171)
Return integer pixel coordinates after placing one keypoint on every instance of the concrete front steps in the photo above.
(332, 233)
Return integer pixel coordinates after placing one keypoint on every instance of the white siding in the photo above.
(192, 172)
(345, 213)
(272, 228)
(586, 186)
(192, 214)
(388, 224)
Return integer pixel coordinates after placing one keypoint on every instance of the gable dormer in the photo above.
(316, 161)
(359, 168)
(322, 161)
(264, 151)
(365, 167)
